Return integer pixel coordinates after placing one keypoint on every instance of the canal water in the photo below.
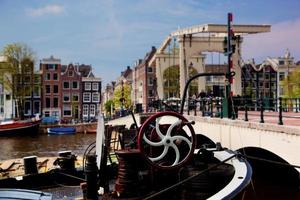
(43, 145)
(268, 182)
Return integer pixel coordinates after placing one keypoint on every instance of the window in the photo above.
(75, 85)
(48, 103)
(95, 86)
(36, 91)
(75, 97)
(48, 89)
(86, 97)
(7, 97)
(36, 107)
(27, 91)
(47, 76)
(51, 66)
(87, 86)
(66, 85)
(150, 69)
(281, 62)
(55, 76)
(47, 114)
(281, 76)
(67, 111)
(27, 108)
(66, 97)
(150, 93)
(55, 89)
(95, 97)
(55, 113)
(150, 81)
(70, 73)
(55, 102)
(85, 110)
(27, 79)
(92, 110)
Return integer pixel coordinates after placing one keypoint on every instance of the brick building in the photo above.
(71, 93)
(51, 87)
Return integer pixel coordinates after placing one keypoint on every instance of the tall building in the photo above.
(71, 93)
(6, 100)
(144, 82)
(91, 96)
(264, 80)
(51, 87)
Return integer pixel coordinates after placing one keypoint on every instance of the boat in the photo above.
(7, 193)
(20, 127)
(163, 158)
(61, 130)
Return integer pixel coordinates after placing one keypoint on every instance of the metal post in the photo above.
(203, 107)
(280, 122)
(221, 103)
(188, 106)
(261, 111)
(195, 108)
(296, 105)
(211, 107)
(246, 112)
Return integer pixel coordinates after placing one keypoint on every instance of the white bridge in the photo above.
(283, 141)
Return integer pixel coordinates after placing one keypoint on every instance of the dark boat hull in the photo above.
(20, 128)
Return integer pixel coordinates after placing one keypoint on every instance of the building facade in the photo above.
(91, 97)
(144, 82)
(71, 93)
(265, 80)
(51, 100)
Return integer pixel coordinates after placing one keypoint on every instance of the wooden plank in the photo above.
(6, 165)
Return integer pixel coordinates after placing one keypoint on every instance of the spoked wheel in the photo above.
(167, 140)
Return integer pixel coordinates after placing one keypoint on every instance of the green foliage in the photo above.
(108, 105)
(291, 85)
(19, 65)
(126, 96)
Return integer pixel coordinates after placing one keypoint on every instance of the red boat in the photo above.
(20, 127)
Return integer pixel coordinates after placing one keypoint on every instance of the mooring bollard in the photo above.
(91, 172)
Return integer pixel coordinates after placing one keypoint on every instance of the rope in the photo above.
(188, 179)
(271, 161)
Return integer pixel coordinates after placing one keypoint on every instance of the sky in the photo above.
(112, 34)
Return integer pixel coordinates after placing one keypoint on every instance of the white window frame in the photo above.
(70, 75)
(92, 110)
(85, 110)
(95, 95)
(64, 84)
(77, 85)
(30, 108)
(66, 95)
(87, 86)
(95, 86)
(67, 108)
(57, 77)
(75, 94)
(86, 95)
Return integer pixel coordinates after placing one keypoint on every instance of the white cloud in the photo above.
(284, 35)
(48, 9)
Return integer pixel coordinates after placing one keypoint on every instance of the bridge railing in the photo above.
(243, 108)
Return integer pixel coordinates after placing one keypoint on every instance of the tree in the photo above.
(19, 62)
(291, 84)
(108, 106)
(124, 99)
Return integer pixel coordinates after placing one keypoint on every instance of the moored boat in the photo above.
(61, 130)
(20, 127)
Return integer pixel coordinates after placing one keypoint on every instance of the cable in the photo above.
(271, 161)
(188, 179)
